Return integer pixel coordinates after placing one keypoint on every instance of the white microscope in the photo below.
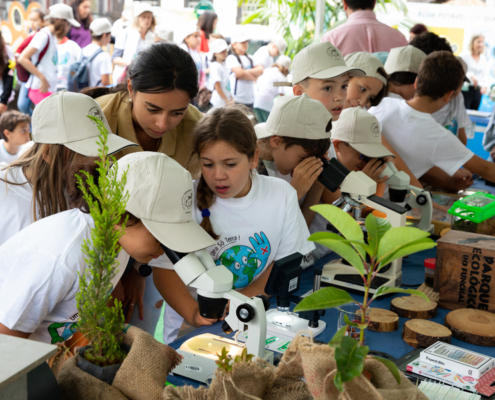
(214, 287)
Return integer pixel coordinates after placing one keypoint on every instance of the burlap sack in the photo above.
(142, 375)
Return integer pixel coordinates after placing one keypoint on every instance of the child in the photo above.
(265, 92)
(100, 65)
(218, 81)
(243, 71)
(68, 52)
(39, 273)
(265, 55)
(256, 219)
(366, 91)
(402, 66)
(14, 134)
(415, 135)
(37, 185)
(43, 70)
(190, 43)
(163, 33)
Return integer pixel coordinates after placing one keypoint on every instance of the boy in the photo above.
(14, 134)
(68, 52)
(100, 66)
(410, 128)
(265, 55)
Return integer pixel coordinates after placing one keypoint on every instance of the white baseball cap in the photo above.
(404, 59)
(127, 14)
(362, 131)
(240, 37)
(284, 61)
(62, 11)
(143, 7)
(162, 31)
(186, 30)
(62, 118)
(99, 26)
(366, 62)
(218, 45)
(161, 195)
(280, 43)
(297, 117)
(321, 61)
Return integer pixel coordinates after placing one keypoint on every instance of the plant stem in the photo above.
(365, 308)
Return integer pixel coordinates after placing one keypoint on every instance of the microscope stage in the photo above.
(289, 324)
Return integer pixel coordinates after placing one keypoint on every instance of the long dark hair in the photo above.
(75, 8)
(206, 21)
(3, 55)
(162, 67)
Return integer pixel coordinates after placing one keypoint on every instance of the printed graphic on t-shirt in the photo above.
(243, 261)
(62, 331)
(55, 58)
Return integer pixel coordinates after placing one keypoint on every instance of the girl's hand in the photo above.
(229, 102)
(198, 320)
(44, 85)
(305, 174)
(134, 285)
(374, 168)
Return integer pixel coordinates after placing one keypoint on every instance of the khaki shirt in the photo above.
(176, 143)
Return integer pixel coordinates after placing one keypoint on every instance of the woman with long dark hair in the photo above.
(207, 23)
(6, 74)
(82, 14)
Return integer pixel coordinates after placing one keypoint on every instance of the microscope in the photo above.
(214, 288)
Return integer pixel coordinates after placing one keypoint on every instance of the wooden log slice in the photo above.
(423, 333)
(414, 307)
(472, 326)
(383, 320)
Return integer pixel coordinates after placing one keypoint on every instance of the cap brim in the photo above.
(466, 79)
(333, 72)
(185, 237)
(73, 22)
(89, 147)
(374, 150)
(261, 131)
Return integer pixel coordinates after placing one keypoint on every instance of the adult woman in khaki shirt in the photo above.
(152, 109)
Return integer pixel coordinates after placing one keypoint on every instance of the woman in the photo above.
(477, 69)
(6, 74)
(207, 24)
(132, 40)
(152, 107)
(82, 13)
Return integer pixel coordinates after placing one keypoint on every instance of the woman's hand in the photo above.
(134, 285)
(474, 81)
(44, 85)
(374, 168)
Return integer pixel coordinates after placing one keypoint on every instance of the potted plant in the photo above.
(102, 325)
(384, 245)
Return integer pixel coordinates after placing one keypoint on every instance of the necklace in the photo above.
(158, 143)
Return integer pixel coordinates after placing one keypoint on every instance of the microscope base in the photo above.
(289, 324)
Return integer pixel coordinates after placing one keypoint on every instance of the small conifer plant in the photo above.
(100, 324)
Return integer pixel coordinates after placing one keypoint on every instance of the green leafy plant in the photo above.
(100, 324)
(385, 244)
(225, 359)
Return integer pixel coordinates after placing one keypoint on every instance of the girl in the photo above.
(477, 70)
(40, 265)
(133, 40)
(255, 219)
(43, 80)
(152, 108)
(82, 12)
(219, 75)
(243, 71)
(366, 91)
(190, 43)
(207, 23)
(265, 93)
(6, 75)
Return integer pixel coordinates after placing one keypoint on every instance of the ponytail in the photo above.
(205, 199)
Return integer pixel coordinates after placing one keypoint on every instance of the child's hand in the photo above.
(374, 168)
(463, 179)
(305, 174)
(198, 320)
(44, 85)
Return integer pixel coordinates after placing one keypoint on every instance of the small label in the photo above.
(271, 340)
(293, 284)
(193, 368)
(348, 284)
(284, 346)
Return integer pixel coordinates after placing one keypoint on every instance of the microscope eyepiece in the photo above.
(212, 308)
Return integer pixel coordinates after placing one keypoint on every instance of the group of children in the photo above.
(255, 183)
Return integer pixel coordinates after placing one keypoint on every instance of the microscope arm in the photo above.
(421, 198)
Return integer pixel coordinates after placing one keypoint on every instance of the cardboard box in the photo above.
(465, 271)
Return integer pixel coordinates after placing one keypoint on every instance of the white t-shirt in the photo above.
(49, 62)
(265, 93)
(101, 64)
(8, 158)
(195, 56)
(454, 112)
(39, 276)
(263, 57)
(243, 92)
(219, 73)
(394, 96)
(68, 53)
(421, 141)
(476, 69)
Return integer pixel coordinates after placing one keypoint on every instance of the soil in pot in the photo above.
(102, 370)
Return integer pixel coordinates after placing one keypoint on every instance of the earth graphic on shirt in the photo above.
(245, 262)
(62, 331)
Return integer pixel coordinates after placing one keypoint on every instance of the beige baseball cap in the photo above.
(404, 59)
(321, 61)
(280, 43)
(366, 62)
(62, 118)
(240, 37)
(163, 32)
(218, 45)
(284, 61)
(362, 131)
(297, 117)
(62, 11)
(143, 7)
(161, 195)
(100, 26)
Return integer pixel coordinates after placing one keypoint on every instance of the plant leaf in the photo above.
(360, 247)
(342, 221)
(396, 238)
(337, 338)
(328, 297)
(355, 324)
(407, 249)
(387, 289)
(376, 228)
(350, 359)
(391, 366)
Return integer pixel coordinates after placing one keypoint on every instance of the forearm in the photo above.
(30, 67)
(105, 80)
(439, 179)
(312, 198)
(401, 165)
(6, 331)
(218, 88)
(257, 71)
(120, 61)
(461, 134)
(258, 286)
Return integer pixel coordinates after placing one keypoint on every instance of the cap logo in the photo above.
(96, 112)
(187, 201)
(332, 52)
(375, 129)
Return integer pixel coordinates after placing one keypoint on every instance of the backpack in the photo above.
(79, 73)
(22, 74)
